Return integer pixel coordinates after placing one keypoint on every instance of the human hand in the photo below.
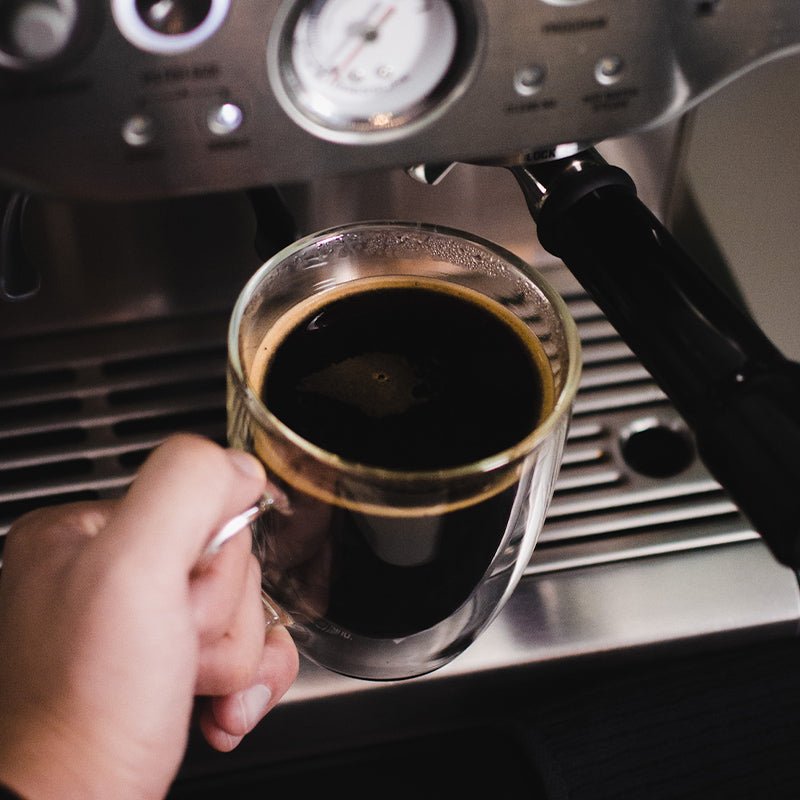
(108, 633)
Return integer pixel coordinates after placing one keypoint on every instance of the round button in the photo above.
(139, 130)
(33, 32)
(529, 79)
(41, 32)
(609, 69)
(225, 118)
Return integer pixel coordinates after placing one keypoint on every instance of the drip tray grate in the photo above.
(79, 412)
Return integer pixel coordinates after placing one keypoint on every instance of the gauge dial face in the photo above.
(368, 65)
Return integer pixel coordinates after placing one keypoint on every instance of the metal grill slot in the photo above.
(209, 420)
(44, 473)
(628, 518)
(591, 477)
(606, 353)
(22, 416)
(583, 309)
(578, 456)
(582, 430)
(20, 450)
(164, 391)
(596, 331)
(166, 363)
(17, 385)
(643, 543)
(610, 399)
(616, 374)
(632, 493)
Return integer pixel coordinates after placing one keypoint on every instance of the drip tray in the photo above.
(640, 549)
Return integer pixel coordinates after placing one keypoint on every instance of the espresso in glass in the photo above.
(411, 423)
(400, 373)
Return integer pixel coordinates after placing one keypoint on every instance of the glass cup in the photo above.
(388, 570)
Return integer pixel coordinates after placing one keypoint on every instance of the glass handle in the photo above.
(273, 613)
(231, 528)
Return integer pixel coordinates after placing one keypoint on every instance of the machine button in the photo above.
(139, 130)
(225, 118)
(529, 79)
(609, 69)
(33, 32)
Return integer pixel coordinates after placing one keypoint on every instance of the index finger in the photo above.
(185, 491)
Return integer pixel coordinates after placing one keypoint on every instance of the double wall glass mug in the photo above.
(408, 389)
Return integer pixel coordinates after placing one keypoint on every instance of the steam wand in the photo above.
(737, 392)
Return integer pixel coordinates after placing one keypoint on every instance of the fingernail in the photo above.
(246, 464)
(230, 742)
(253, 704)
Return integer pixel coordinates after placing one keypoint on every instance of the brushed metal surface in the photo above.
(115, 263)
(153, 138)
(670, 599)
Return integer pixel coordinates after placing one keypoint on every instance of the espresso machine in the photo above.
(153, 153)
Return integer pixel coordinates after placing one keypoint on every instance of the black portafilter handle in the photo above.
(736, 391)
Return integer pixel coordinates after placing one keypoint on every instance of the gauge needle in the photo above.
(366, 33)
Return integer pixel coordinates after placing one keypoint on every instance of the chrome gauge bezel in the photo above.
(138, 33)
(326, 121)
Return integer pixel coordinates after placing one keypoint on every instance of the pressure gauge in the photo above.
(371, 66)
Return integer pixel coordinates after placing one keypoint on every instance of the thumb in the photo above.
(183, 493)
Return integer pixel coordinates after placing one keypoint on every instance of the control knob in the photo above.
(34, 33)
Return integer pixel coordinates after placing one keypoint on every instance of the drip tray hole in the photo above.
(657, 449)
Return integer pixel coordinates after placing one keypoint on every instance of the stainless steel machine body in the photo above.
(99, 101)
(137, 148)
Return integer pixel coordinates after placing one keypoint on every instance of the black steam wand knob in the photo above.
(736, 391)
